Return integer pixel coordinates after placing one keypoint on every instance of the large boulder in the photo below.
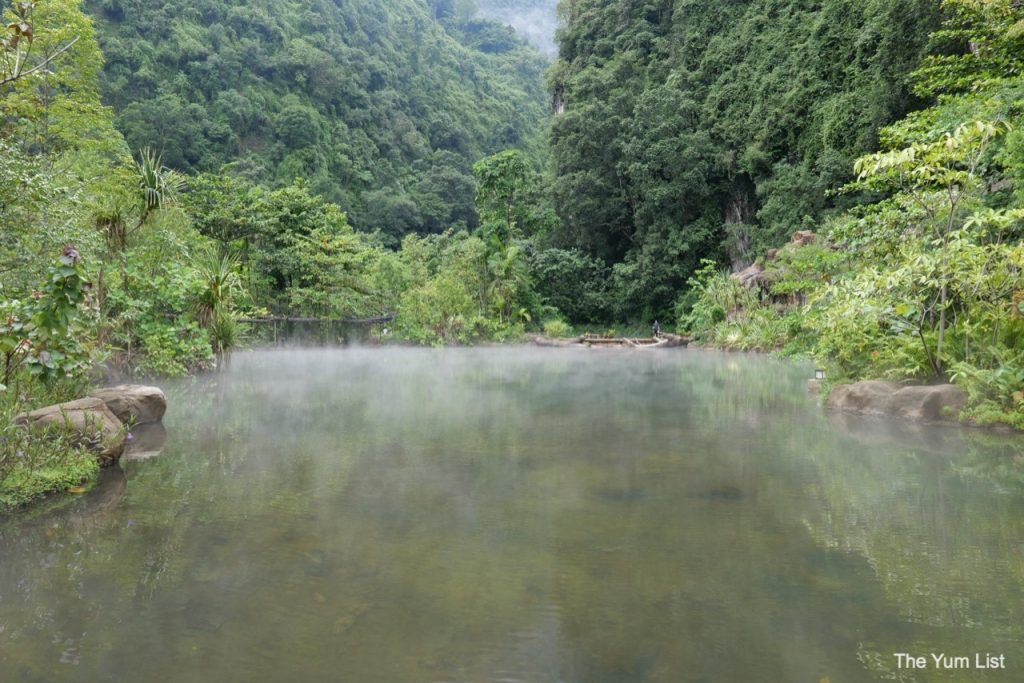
(750, 277)
(865, 398)
(134, 403)
(924, 403)
(802, 238)
(939, 402)
(88, 422)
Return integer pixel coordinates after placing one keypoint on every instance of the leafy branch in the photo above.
(16, 47)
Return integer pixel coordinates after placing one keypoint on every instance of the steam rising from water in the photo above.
(520, 515)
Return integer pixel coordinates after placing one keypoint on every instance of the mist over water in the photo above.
(520, 515)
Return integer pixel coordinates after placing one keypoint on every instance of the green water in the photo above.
(522, 515)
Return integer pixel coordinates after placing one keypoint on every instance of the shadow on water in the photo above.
(84, 511)
(147, 441)
(508, 514)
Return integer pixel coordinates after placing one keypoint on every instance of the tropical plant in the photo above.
(714, 295)
(39, 335)
(942, 178)
(219, 286)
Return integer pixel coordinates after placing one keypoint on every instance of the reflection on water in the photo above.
(515, 515)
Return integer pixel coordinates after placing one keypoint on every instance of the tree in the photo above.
(39, 334)
(980, 40)
(156, 186)
(54, 92)
(220, 285)
(574, 282)
(680, 126)
(509, 197)
(58, 142)
(17, 42)
(501, 189)
(340, 94)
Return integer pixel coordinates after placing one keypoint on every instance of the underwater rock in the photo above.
(134, 403)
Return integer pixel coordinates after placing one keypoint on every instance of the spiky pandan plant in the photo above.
(157, 187)
(220, 285)
(158, 184)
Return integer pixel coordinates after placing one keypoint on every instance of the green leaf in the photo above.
(904, 310)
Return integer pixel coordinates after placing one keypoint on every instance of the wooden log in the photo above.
(664, 341)
(544, 341)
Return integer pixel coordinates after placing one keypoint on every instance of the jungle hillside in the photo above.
(838, 180)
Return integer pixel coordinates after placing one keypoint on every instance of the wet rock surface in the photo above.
(938, 403)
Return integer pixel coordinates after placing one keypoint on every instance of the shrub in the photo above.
(713, 296)
(557, 328)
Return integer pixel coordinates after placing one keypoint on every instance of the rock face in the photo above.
(87, 421)
(803, 237)
(924, 403)
(133, 403)
(750, 277)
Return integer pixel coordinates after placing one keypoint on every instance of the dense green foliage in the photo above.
(299, 114)
(927, 282)
(40, 335)
(352, 161)
(381, 107)
(708, 129)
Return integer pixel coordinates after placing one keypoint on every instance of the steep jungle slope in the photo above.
(383, 107)
(701, 128)
(922, 282)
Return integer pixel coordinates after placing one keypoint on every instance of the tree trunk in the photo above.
(942, 326)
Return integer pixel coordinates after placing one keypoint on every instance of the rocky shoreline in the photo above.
(929, 403)
(102, 421)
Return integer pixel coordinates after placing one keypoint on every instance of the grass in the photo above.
(34, 465)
